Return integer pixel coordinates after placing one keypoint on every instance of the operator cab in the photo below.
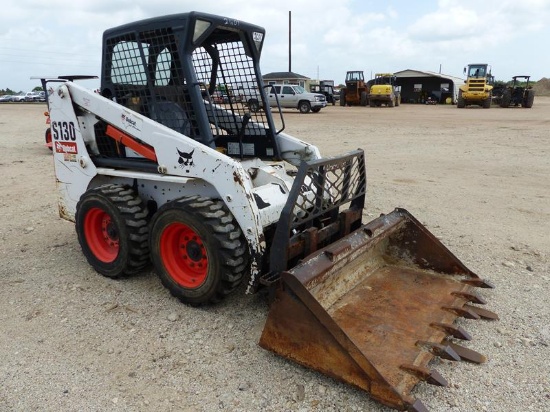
(354, 76)
(478, 71)
(184, 71)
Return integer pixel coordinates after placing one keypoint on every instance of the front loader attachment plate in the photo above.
(375, 307)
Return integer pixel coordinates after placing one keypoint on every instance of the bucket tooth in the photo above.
(431, 376)
(456, 331)
(470, 297)
(464, 311)
(417, 406)
(482, 313)
(437, 349)
(468, 354)
(478, 283)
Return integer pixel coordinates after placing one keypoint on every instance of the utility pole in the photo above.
(289, 41)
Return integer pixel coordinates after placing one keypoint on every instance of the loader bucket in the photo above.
(375, 307)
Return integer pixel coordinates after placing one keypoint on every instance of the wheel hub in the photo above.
(194, 251)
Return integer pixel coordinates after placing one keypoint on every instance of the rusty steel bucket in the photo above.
(373, 309)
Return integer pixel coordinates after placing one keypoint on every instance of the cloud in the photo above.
(329, 38)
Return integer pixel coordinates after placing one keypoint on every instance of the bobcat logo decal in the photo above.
(185, 159)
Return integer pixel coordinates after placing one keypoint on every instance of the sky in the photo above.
(329, 37)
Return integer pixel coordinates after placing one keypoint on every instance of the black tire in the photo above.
(506, 99)
(316, 109)
(304, 106)
(372, 103)
(460, 103)
(487, 102)
(112, 229)
(254, 105)
(198, 249)
(342, 97)
(48, 138)
(364, 99)
(529, 99)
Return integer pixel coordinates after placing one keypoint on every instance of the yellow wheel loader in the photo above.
(478, 87)
(154, 169)
(383, 90)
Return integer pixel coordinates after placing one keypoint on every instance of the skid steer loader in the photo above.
(151, 169)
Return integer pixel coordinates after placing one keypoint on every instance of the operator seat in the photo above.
(171, 115)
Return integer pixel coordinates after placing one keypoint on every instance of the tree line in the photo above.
(12, 92)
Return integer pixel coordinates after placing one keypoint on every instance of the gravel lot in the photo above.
(72, 340)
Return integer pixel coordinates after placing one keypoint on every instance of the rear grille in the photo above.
(476, 85)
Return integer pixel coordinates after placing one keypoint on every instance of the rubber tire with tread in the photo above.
(487, 102)
(304, 107)
(224, 244)
(506, 99)
(342, 97)
(48, 138)
(364, 99)
(121, 218)
(460, 103)
(529, 99)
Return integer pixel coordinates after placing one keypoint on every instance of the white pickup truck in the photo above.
(295, 97)
(288, 95)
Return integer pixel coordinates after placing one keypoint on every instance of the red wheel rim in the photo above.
(49, 138)
(101, 235)
(184, 255)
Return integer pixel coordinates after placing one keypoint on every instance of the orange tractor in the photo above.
(356, 91)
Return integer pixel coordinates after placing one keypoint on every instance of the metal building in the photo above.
(419, 85)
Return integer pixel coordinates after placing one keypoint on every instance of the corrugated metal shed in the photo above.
(431, 85)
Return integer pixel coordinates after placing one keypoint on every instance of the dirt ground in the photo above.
(72, 340)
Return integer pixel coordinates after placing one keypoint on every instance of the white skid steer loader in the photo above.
(167, 164)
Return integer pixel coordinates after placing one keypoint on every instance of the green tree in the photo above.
(6, 91)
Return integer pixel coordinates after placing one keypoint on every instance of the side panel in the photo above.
(73, 168)
(176, 154)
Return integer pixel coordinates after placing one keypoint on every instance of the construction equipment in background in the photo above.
(383, 90)
(325, 87)
(356, 91)
(519, 93)
(498, 90)
(478, 87)
(152, 169)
